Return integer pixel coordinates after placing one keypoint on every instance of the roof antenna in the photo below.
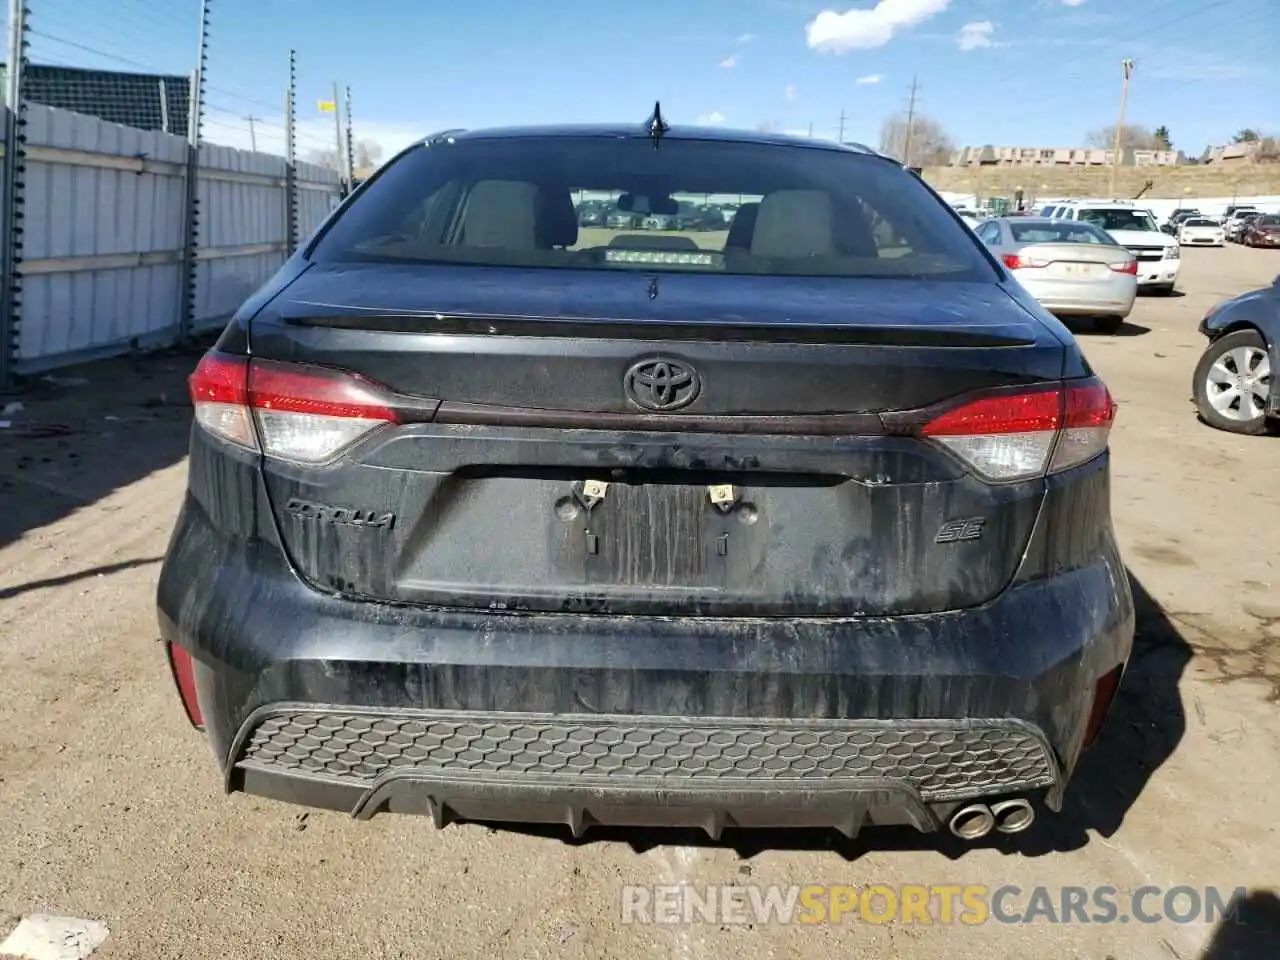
(657, 126)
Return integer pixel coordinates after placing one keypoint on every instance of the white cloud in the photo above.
(791, 92)
(712, 119)
(746, 38)
(1072, 3)
(832, 32)
(729, 63)
(972, 36)
(870, 79)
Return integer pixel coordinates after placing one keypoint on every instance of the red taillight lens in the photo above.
(288, 411)
(1022, 262)
(184, 676)
(1019, 435)
(1129, 266)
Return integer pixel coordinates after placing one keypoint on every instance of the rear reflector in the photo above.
(1020, 435)
(1104, 693)
(185, 677)
(288, 411)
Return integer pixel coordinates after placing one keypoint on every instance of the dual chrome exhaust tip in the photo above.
(975, 820)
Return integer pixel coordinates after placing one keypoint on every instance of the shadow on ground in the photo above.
(1251, 931)
(81, 433)
(1127, 329)
(1145, 726)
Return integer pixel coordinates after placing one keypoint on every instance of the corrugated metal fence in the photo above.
(101, 269)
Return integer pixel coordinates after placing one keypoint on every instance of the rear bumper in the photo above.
(638, 721)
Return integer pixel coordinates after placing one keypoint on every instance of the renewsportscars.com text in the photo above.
(970, 904)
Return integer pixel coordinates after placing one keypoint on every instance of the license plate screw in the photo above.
(593, 491)
(722, 495)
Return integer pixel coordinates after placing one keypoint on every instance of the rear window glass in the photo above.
(1117, 219)
(1200, 222)
(1267, 221)
(610, 203)
(1059, 231)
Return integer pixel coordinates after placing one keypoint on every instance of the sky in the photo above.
(1004, 72)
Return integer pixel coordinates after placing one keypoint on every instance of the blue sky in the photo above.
(1028, 72)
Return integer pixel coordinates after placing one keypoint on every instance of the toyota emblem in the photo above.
(661, 385)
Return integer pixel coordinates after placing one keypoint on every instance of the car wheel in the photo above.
(1233, 382)
(1108, 324)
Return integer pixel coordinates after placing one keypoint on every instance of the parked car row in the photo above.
(707, 217)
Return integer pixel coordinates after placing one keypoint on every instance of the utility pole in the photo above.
(253, 133)
(1127, 64)
(811, 131)
(840, 138)
(911, 122)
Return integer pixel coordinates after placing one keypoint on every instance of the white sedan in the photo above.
(1201, 232)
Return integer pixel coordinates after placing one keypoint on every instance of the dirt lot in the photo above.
(110, 807)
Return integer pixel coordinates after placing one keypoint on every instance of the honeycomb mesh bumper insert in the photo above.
(941, 759)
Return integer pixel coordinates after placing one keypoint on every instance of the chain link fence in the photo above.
(150, 180)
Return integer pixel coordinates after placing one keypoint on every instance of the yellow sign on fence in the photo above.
(327, 106)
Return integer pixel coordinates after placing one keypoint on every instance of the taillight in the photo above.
(1015, 262)
(1129, 266)
(185, 677)
(287, 411)
(1020, 435)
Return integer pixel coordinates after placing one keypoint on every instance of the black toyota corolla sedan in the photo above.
(802, 522)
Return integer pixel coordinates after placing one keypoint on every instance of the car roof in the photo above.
(1040, 221)
(640, 131)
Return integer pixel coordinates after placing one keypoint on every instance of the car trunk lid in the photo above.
(531, 470)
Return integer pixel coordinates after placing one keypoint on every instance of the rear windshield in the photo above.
(610, 203)
(1267, 222)
(1200, 222)
(1058, 231)
(1118, 219)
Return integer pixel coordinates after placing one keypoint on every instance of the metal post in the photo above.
(11, 191)
(350, 152)
(290, 162)
(164, 106)
(1124, 99)
(191, 230)
(339, 152)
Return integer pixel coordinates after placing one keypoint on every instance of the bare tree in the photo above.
(368, 153)
(1132, 137)
(324, 158)
(929, 143)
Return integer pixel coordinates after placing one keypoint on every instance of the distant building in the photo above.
(1234, 153)
(991, 156)
(148, 101)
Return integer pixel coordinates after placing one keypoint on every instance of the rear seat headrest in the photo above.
(794, 223)
(502, 213)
